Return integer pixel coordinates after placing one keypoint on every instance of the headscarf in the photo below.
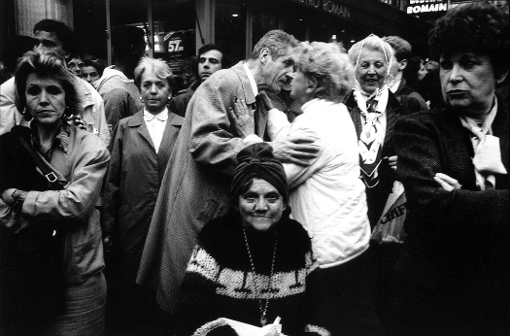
(258, 161)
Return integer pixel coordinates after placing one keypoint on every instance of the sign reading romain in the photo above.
(426, 6)
(329, 6)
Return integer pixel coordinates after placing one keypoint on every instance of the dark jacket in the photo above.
(454, 236)
(377, 196)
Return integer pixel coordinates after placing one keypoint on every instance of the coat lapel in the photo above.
(173, 125)
(392, 114)
(260, 113)
(500, 128)
(138, 122)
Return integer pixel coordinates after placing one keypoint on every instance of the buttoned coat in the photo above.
(134, 177)
(196, 185)
(377, 196)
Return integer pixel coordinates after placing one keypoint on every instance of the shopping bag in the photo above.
(390, 227)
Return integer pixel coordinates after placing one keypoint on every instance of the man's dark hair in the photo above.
(225, 61)
(65, 34)
(402, 47)
(98, 64)
(124, 38)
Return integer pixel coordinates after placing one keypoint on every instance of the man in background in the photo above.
(53, 35)
(116, 85)
(210, 60)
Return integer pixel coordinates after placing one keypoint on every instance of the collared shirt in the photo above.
(251, 79)
(395, 86)
(156, 124)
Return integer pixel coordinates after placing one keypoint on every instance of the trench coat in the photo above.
(134, 177)
(196, 185)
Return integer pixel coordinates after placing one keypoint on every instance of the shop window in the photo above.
(231, 28)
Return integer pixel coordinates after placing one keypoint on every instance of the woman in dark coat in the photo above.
(140, 149)
(454, 276)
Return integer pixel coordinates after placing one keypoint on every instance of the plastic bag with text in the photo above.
(390, 227)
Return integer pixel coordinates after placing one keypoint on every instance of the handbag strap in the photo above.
(54, 178)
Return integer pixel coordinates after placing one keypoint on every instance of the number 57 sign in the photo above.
(175, 46)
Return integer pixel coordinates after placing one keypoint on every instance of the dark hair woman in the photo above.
(254, 264)
(61, 215)
(454, 166)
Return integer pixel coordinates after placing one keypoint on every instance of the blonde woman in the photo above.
(328, 197)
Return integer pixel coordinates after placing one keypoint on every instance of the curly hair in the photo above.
(46, 64)
(330, 65)
(477, 27)
(277, 41)
(160, 68)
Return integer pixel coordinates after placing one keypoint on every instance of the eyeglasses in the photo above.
(74, 64)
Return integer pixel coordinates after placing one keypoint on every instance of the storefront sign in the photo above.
(329, 6)
(426, 6)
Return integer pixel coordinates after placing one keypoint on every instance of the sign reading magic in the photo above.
(426, 6)
(328, 6)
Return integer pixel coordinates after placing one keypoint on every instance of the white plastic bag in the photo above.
(390, 227)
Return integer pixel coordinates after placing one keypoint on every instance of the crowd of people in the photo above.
(248, 201)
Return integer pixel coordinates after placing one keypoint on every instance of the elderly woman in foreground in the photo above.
(253, 265)
(328, 197)
(455, 274)
(55, 212)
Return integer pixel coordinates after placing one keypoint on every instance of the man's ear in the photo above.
(402, 64)
(264, 55)
(501, 77)
(313, 83)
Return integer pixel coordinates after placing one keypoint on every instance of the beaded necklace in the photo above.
(262, 308)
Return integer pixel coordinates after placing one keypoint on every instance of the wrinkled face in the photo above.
(275, 72)
(299, 85)
(45, 99)
(75, 65)
(468, 81)
(48, 41)
(261, 206)
(155, 91)
(371, 70)
(208, 63)
(90, 74)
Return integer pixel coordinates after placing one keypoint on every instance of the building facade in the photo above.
(177, 28)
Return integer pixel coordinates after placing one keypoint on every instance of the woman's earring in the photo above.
(141, 100)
